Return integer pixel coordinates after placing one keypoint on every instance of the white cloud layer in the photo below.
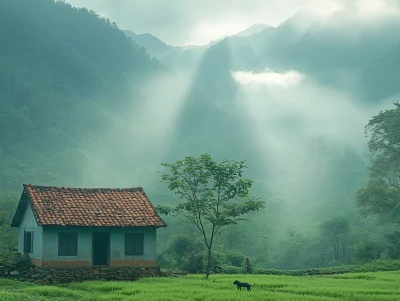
(268, 78)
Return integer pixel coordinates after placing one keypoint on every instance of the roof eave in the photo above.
(96, 226)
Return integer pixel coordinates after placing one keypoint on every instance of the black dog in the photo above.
(239, 285)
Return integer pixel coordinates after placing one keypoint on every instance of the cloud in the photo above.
(268, 78)
(197, 22)
(374, 7)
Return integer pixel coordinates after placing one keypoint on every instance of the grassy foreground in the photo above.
(355, 287)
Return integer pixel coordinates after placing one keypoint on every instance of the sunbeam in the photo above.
(287, 110)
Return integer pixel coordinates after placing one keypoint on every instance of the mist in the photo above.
(290, 95)
(295, 124)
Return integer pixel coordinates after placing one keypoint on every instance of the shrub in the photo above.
(15, 260)
(367, 251)
(194, 264)
(235, 259)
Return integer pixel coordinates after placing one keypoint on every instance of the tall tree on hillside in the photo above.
(381, 195)
(213, 195)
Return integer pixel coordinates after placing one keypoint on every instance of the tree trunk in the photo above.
(336, 248)
(208, 268)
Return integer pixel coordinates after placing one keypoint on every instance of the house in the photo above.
(79, 227)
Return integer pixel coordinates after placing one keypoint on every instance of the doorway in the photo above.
(101, 248)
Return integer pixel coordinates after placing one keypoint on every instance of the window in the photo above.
(28, 242)
(134, 243)
(67, 244)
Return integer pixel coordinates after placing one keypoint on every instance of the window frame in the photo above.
(66, 240)
(30, 251)
(130, 250)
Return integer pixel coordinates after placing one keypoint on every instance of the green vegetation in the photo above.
(83, 105)
(208, 191)
(360, 287)
(381, 194)
(56, 86)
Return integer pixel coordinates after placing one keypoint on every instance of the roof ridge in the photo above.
(137, 188)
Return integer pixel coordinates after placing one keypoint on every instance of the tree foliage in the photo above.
(335, 229)
(212, 195)
(383, 133)
(381, 195)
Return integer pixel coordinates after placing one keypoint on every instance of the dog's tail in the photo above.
(254, 284)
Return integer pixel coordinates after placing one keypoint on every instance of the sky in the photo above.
(184, 22)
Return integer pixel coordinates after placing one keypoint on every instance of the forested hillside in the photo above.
(82, 104)
(64, 72)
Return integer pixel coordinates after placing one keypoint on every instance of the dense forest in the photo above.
(85, 104)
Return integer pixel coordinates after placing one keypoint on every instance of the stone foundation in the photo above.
(133, 263)
(63, 275)
(102, 273)
(61, 264)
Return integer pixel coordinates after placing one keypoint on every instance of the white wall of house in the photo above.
(28, 223)
(85, 234)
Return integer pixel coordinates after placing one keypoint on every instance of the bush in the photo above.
(373, 266)
(227, 269)
(394, 245)
(187, 253)
(235, 259)
(15, 260)
(367, 251)
(194, 264)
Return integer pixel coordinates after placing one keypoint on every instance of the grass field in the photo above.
(355, 287)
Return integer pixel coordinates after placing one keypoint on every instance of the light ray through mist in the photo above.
(287, 110)
(144, 131)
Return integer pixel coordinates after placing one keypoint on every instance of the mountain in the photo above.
(178, 58)
(152, 44)
(322, 48)
(84, 105)
(335, 54)
(73, 97)
(65, 74)
(254, 29)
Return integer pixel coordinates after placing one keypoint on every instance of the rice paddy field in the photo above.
(372, 286)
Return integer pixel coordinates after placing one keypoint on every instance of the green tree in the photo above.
(394, 245)
(335, 229)
(213, 195)
(380, 196)
(292, 251)
(367, 250)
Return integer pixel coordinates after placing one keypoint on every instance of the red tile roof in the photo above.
(94, 207)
